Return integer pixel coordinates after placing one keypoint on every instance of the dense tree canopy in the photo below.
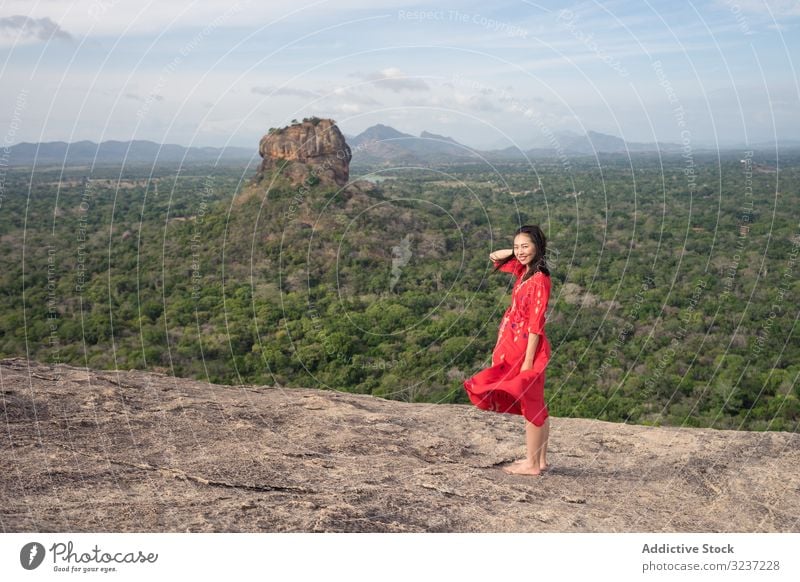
(673, 302)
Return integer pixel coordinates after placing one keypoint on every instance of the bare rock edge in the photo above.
(113, 451)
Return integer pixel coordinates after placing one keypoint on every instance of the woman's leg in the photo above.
(534, 436)
(545, 438)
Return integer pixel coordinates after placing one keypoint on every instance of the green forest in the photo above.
(674, 296)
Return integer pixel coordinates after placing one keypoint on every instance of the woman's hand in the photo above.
(501, 254)
(526, 366)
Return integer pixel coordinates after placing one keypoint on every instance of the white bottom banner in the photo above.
(353, 556)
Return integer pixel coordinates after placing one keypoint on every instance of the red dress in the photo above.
(502, 387)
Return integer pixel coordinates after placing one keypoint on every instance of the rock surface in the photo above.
(89, 450)
(312, 150)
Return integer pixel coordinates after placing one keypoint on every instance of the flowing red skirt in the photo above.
(503, 388)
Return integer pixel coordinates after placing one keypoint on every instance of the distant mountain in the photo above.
(429, 135)
(783, 144)
(384, 144)
(378, 144)
(378, 132)
(117, 152)
(381, 143)
(595, 142)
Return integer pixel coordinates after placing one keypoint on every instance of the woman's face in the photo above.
(524, 249)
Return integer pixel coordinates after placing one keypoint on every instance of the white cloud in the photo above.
(114, 17)
(348, 108)
(19, 29)
(356, 95)
(394, 79)
(272, 91)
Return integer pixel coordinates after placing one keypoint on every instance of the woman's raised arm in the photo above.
(513, 266)
(500, 255)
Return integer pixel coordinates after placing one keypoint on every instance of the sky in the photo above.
(714, 73)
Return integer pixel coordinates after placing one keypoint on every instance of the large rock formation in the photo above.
(309, 153)
(126, 451)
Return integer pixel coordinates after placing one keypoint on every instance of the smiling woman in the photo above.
(515, 381)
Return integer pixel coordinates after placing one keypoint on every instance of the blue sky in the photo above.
(490, 75)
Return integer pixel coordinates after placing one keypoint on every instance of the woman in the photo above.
(515, 381)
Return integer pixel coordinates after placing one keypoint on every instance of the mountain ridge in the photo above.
(378, 143)
(115, 152)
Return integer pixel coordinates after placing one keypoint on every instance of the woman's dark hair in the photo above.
(539, 261)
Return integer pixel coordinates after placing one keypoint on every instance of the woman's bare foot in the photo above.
(524, 468)
(519, 462)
